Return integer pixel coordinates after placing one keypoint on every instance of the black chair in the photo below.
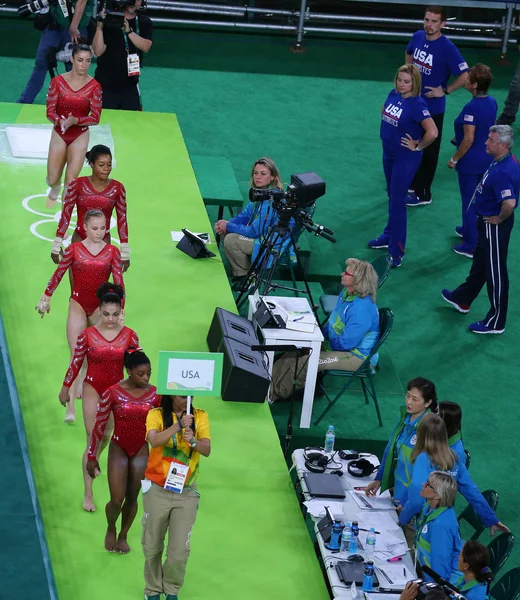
(469, 514)
(499, 550)
(468, 458)
(508, 586)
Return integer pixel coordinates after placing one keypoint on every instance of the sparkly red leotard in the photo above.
(105, 358)
(129, 419)
(84, 104)
(89, 272)
(81, 194)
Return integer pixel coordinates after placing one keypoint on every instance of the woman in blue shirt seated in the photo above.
(437, 538)
(471, 159)
(243, 234)
(350, 332)
(475, 578)
(432, 453)
(407, 128)
(451, 414)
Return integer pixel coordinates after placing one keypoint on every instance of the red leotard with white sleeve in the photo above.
(129, 419)
(105, 358)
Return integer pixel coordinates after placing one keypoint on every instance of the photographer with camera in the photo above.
(120, 41)
(64, 21)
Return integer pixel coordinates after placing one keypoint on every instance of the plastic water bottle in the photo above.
(368, 577)
(353, 539)
(370, 545)
(346, 536)
(329, 439)
(335, 538)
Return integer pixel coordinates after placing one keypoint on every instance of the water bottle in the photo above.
(346, 536)
(329, 439)
(353, 539)
(370, 545)
(337, 528)
(368, 577)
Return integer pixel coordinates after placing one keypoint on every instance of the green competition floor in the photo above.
(249, 537)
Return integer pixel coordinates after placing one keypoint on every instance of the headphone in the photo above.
(316, 462)
(361, 468)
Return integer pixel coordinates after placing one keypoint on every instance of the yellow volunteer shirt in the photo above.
(161, 457)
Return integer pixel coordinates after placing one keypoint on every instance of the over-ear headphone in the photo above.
(316, 462)
(361, 468)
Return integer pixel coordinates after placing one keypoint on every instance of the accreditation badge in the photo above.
(176, 477)
(134, 66)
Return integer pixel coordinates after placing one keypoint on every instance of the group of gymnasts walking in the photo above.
(102, 348)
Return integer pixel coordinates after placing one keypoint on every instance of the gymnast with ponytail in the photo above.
(104, 346)
(129, 402)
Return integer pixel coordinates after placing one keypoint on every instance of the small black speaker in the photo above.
(227, 324)
(244, 376)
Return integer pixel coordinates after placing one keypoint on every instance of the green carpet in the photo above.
(244, 96)
(171, 299)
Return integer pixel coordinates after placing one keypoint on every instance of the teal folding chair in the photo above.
(500, 549)
(365, 372)
(382, 265)
(508, 586)
(469, 514)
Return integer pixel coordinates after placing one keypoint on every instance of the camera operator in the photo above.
(411, 592)
(59, 30)
(119, 53)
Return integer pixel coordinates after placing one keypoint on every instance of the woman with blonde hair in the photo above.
(350, 332)
(406, 129)
(243, 234)
(432, 453)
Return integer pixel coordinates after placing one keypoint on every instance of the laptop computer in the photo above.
(353, 571)
(324, 485)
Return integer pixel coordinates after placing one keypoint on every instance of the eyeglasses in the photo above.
(428, 484)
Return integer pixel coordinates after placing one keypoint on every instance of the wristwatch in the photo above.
(445, 90)
(193, 444)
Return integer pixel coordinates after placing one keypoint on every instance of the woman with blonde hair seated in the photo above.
(350, 332)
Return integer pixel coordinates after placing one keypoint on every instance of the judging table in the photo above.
(349, 511)
(312, 340)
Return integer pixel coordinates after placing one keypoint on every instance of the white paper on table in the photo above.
(396, 551)
(293, 305)
(380, 521)
(317, 507)
(371, 503)
(398, 575)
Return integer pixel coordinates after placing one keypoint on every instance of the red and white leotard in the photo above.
(89, 272)
(129, 419)
(82, 194)
(105, 358)
(84, 104)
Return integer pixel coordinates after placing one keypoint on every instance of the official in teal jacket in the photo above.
(474, 575)
(437, 538)
(395, 470)
(451, 414)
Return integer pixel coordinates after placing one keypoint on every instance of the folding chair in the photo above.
(499, 550)
(469, 514)
(364, 373)
(508, 586)
(382, 265)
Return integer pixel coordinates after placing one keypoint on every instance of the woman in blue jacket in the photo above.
(451, 414)
(471, 159)
(243, 234)
(406, 129)
(437, 538)
(350, 332)
(475, 578)
(432, 453)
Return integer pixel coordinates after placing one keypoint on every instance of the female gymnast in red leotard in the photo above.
(104, 347)
(91, 261)
(96, 191)
(129, 401)
(73, 104)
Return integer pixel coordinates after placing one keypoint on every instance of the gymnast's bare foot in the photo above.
(122, 545)
(88, 503)
(110, 539)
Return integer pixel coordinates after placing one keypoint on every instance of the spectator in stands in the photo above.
(451, 414)
(119, 54)
(476, 575)
(243, 234)
(437, 59)
(350, 332)
(471, 159)
(406, 129)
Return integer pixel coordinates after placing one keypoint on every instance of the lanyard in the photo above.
(467, 586)
(426, 518)
(484, 177)
(125, 35)
(174, 439)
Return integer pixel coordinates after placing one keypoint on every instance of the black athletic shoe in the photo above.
(504, 119)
